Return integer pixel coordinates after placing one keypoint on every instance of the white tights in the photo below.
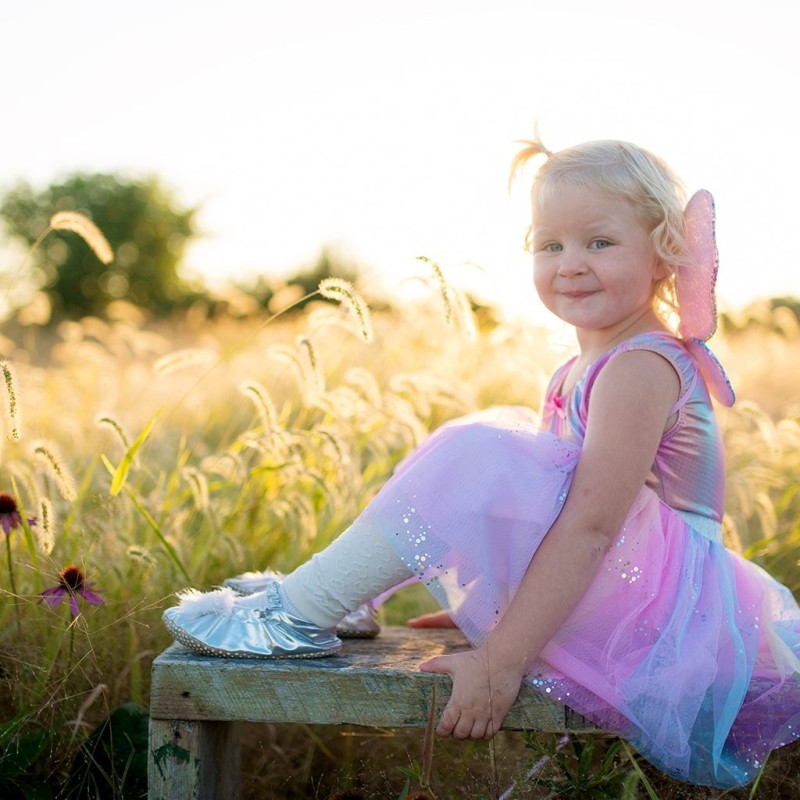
(354, 568)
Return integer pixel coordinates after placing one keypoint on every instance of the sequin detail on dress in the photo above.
(415, 533)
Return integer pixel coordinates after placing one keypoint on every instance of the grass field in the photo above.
(155, 457)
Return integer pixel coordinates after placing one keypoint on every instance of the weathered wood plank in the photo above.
(194, 760)
(373, 682)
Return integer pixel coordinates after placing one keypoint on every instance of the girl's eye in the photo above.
(600, 244)
(552, 247)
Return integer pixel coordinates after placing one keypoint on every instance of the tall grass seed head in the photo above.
(142, 556)
(263, 404)
(48, 457)
(46, 532)
(444, 288)
(344, 293)
(12, 414)
(81, 224)
(314, 372)
(109, 421)
(199, 487)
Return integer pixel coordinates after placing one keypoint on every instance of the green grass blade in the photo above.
(427, 741)
(158, 532)
(121, 473)
(651, 792)
(30, 539)
(754, 788)
(171, 552)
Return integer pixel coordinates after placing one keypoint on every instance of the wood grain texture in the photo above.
(194, 760)
(371, 682)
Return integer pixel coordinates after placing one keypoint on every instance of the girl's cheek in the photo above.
(540, 277)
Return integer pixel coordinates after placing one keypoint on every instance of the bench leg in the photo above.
(193, 760)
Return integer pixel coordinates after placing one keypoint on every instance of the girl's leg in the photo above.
(295, 617)
(353, 569)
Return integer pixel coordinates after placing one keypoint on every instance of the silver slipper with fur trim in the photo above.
(225, 624)
(359, 624)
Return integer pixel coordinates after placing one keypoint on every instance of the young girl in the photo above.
(582, 553)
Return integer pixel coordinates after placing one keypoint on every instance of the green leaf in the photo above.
(585, 760)
(608, 759)
(112, 762)
(21, 746)
(121, 473)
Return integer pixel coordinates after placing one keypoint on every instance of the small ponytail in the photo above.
(531, 148)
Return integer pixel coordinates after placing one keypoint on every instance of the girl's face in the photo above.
(593, 263)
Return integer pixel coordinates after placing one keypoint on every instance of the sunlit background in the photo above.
(384, 130)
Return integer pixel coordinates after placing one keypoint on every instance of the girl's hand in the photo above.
(438, 619)
(482, 694)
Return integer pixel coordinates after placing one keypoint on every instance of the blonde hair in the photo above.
(628, 172)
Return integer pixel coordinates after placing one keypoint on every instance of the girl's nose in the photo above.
(571, 262)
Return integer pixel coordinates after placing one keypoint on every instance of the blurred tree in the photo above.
(147, 231)
(791, 303)
(275, 294)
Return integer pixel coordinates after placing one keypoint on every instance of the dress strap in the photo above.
(685, 395)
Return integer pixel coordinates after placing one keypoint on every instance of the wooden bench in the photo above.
(197, 704)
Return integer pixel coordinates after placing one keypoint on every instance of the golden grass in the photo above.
(81, 224)
(234, 446)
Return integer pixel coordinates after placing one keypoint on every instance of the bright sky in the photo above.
(386, 128)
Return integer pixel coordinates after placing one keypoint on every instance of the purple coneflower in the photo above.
(9, 513)
(71, 583)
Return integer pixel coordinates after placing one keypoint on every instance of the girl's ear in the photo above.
(661, 271)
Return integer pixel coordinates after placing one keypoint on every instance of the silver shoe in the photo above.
(222, 623)
(359, 624)
(252, 582)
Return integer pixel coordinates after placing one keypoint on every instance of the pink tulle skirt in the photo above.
(679, 645)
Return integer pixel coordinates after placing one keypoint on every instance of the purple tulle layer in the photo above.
(680, 646)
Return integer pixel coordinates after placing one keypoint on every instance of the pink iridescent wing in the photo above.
(695, 281)
(713, 373)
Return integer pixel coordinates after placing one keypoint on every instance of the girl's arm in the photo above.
(631, 400)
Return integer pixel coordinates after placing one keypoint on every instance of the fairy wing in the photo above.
(712, 371)
(695, 281)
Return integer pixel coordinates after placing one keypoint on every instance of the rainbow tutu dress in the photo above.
(680, 645)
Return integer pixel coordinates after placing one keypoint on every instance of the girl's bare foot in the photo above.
(438, 619)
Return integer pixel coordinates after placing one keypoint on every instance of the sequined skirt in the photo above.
(680, 646)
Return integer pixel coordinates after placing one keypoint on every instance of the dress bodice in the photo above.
(688, 472)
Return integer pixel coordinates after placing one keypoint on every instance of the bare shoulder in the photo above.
(638, 375)
(642, 368)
